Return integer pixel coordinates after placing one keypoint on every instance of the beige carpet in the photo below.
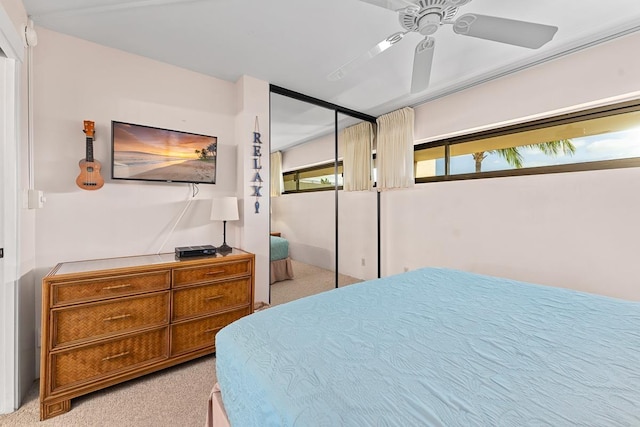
(173, 397)
(308, 280)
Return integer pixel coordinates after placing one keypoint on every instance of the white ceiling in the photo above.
(295, 44)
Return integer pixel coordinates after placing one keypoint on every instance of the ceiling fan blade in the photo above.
(391, 4)
(509, 31)
(374, 51)
(422, 61)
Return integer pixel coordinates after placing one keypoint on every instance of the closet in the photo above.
(327, 228)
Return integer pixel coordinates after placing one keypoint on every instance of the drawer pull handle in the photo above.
(214, 272)
(110, 288)
(115, 356)
(215, 297)
(121, 316)
(214, 330)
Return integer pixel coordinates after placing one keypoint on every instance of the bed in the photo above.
(433, 347)
(281, 268)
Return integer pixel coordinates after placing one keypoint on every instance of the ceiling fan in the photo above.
(427, 16)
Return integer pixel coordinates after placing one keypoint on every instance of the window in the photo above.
(603, 138)
(316, 178)
(597, 139)
(429, 162)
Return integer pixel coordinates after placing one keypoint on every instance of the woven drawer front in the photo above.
(113, 286)
(198, 300)
(77, 323)
(193, 275)
(196, 334)
(89, 363)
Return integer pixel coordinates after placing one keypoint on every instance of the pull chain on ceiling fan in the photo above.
(427, 16)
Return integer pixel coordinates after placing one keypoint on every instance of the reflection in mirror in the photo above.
(357, 203)
(303, 218)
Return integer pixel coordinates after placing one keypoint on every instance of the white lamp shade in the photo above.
(224, 209)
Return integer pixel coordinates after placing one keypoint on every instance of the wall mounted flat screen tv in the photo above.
(152, 154)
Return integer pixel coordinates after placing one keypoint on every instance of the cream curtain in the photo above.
(357, 145)
(394, 154)
(277, 182)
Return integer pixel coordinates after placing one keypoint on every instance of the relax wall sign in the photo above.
(256, 157)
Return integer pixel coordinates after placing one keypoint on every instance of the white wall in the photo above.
(29, 286)
(76, 80)
(357, 231)
(311, 153)
(308, 220)
(590, 77)
(577, 230)
(253, 103)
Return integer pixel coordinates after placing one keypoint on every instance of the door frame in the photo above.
(13, 48)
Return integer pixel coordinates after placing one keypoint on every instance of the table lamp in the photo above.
(224, 209)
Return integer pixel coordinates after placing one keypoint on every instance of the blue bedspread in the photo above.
(435, 347)
(279, 248)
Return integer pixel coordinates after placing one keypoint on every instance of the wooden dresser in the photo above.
(110, 320)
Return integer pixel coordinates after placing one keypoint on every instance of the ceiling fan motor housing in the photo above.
(427, 15)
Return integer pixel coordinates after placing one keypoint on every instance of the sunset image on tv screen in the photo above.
(147, 153)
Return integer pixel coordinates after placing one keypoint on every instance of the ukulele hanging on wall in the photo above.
(89, 178)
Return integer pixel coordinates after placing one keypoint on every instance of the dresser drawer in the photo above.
(72, 292)
(71, 325)
(89, 363)
(195, 275)
(196, 334)
(200, 300)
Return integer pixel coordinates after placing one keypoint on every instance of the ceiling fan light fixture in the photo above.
(429, 22)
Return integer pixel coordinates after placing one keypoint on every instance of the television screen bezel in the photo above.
(179, 132)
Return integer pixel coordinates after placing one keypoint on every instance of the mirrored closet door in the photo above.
(303, 218)
(357, 202)
(317, 245)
